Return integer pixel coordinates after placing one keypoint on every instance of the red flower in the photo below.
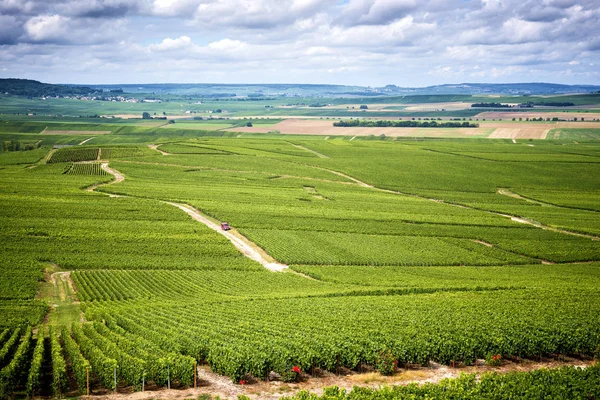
(242, 382)
(496, 357)
(296, 369)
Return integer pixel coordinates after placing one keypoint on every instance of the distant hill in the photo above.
(26, 87)
(306, 90)
(494, 88)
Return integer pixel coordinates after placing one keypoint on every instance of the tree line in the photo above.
(403, 124)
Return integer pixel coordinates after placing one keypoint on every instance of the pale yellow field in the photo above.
(490, 129)
(532, 114)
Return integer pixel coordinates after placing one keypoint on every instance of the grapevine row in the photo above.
(74, 155)
(59, 366)
(86, 169)
(33, 380)
(12, 374)
(79, 365)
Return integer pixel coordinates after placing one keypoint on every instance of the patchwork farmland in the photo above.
(352, 258)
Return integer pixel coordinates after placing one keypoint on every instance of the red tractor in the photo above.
(225, 226)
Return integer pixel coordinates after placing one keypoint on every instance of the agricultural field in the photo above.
(348, 253)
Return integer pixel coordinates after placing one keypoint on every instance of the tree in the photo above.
(146, 115)
(249, 124)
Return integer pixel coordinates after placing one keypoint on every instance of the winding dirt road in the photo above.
(155, 147)
(504, 192)
(243, 244)
(240, 242)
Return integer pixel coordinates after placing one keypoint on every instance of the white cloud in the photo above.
(228, 45)
(169, 44)
(47, 28)
(362, 41)
(257, 14)
(519, 31)
(172, 8)
(375, 12)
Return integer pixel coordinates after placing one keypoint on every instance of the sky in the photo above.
(407, 43)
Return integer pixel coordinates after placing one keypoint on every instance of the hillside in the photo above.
(31, 88)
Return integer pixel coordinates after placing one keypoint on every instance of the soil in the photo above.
(244, 245)
(325, 127)
(490, 129)
(320, 155)
(85, 141)
(155, 147)
(214, 385)
(533, 114)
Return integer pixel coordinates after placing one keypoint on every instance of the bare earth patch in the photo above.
(216, 385)
(489, 129)
(519, 133)
(533, 114)
(325, 127)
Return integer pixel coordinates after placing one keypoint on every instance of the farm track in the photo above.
(155, 147)
(320, 155)
(242, 243)
(236, 171)
(515, 218)
(217, 385)
(509, 193)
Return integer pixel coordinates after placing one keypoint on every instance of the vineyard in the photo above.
(69, 154)
(400, 255)
(85, 169)
(565, 383)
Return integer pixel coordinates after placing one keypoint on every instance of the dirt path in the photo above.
(155, 147)
(217, 385)
(86, 140)
(203, 168)
(244, 245)
(510, 193)
(320, 155)
(359, 183)
(64, 305)
(116, 174)
(48, 157)
(522, 220)
(514, 218)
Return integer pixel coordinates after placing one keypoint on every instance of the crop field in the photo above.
(393, 254)
(505, 129)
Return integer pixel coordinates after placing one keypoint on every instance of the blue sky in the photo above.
(354, 42)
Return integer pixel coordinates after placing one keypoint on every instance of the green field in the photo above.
(425, 251)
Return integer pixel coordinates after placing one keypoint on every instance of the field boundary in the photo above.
(515, 218)
(243, 244)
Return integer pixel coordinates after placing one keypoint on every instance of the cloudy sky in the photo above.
(362, 42)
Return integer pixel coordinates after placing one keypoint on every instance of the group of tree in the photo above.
(547, 104)
(490, 105)
(30, 88)
(528, 104)
(403, 124)
(16, 145)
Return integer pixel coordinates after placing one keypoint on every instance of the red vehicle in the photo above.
(225, 226)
